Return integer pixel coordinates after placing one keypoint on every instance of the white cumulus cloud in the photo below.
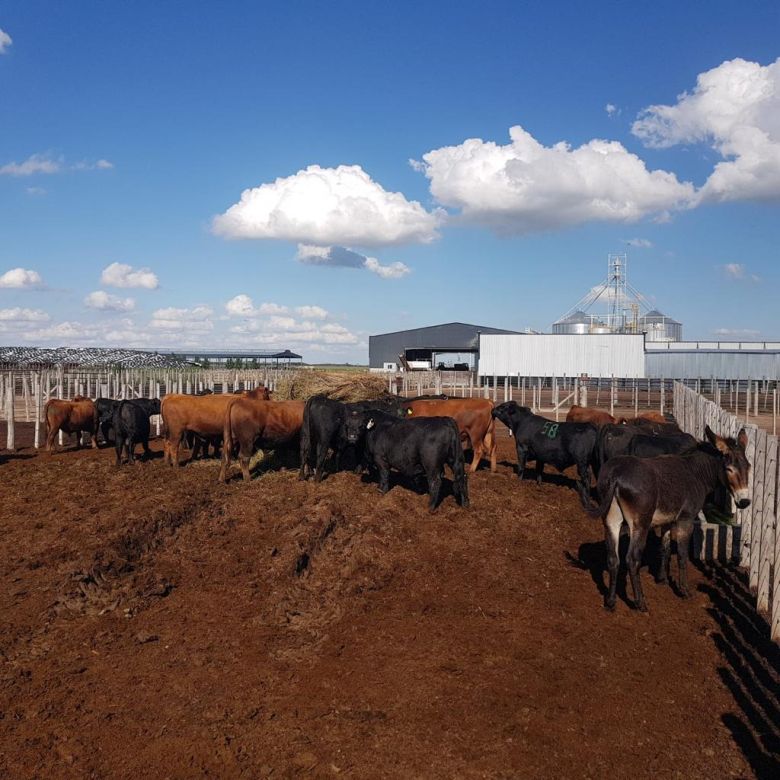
(18, 314)
(34, 164)
(739, 271)
(194, 320)
(243, 306)
(735, 108)
(5, 41)
(18, 278)
(324, 206)
(123, 275)
(312, 312)
(391, 271)
(103, 301)
(524, 186)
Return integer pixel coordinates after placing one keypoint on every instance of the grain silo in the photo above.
(614, 306)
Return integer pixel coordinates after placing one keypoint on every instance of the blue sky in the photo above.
(129, 131)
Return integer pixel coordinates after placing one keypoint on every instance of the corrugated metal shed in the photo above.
(614, 354)
(449, 337)
(718, 363)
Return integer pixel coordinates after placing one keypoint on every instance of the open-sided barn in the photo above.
(451, 343)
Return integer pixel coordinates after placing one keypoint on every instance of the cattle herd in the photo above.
(649, 474)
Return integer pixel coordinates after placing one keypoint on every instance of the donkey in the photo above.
(667, 491)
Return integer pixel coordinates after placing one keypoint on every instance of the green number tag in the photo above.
(550, 430)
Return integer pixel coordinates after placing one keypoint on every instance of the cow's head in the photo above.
(735, 463)
(355, 423)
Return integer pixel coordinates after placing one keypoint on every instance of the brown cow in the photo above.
(586, 414)
(74, 416)
(200, 414)
(257, 425)
(474, 419)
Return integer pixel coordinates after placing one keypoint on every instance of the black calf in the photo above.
(410, 446)
(131, 427)
(560, 444)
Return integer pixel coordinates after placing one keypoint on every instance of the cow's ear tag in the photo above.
(370, 424)
(409, 411)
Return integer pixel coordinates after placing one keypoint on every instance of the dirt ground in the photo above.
(154, 623)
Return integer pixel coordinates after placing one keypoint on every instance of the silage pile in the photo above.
(339, 386)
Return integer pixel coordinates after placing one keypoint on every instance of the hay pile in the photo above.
(339, 386)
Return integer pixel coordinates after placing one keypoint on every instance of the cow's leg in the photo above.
(684, 531)
(434, 488)
(322, 455)
(522, 457)
(612, 523)
(479, 449)
(639, 531)
(175, 449)
(130, 445)
(51, 438)
(225, 464)
(490, 445)
(539, 470)
(118, 442)
(93, 438)
(244, 456)
(384, 476)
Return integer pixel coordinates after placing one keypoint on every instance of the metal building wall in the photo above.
(718, 363)
(448, 337)
(620, 355)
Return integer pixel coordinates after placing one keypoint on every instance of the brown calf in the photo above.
(257, 424)
(74, 416)
(203, 415)
(474, 419)
(584, 414)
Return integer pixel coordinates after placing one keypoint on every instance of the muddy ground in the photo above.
(156, 624)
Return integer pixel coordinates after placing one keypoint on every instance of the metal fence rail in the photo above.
(754, 542)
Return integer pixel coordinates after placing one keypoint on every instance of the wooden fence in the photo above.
(754, 542)
(24, 392)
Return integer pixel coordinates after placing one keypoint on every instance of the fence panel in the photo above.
(759, 542)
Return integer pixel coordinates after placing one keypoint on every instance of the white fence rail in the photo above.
(754, 542)
(24, 392)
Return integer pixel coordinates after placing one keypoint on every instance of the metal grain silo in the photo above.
(659, 327)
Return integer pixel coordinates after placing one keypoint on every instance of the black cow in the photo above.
(617, 440)
(131, 427)
(560, 444)
(410, 446)
(323, 428)
(106, 407)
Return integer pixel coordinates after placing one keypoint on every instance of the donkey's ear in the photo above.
(716, 440)
(742, 439)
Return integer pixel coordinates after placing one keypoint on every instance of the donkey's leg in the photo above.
(639, 531)
(684, 531)
(612, 523)
(666, 554)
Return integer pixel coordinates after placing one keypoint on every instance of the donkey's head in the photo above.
(735, 463)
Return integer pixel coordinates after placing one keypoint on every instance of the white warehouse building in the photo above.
(597, 355)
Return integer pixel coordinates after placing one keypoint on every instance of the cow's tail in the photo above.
(306, 439)
(606, 490)
(46, 416)
(227, 438)
(458, 465)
